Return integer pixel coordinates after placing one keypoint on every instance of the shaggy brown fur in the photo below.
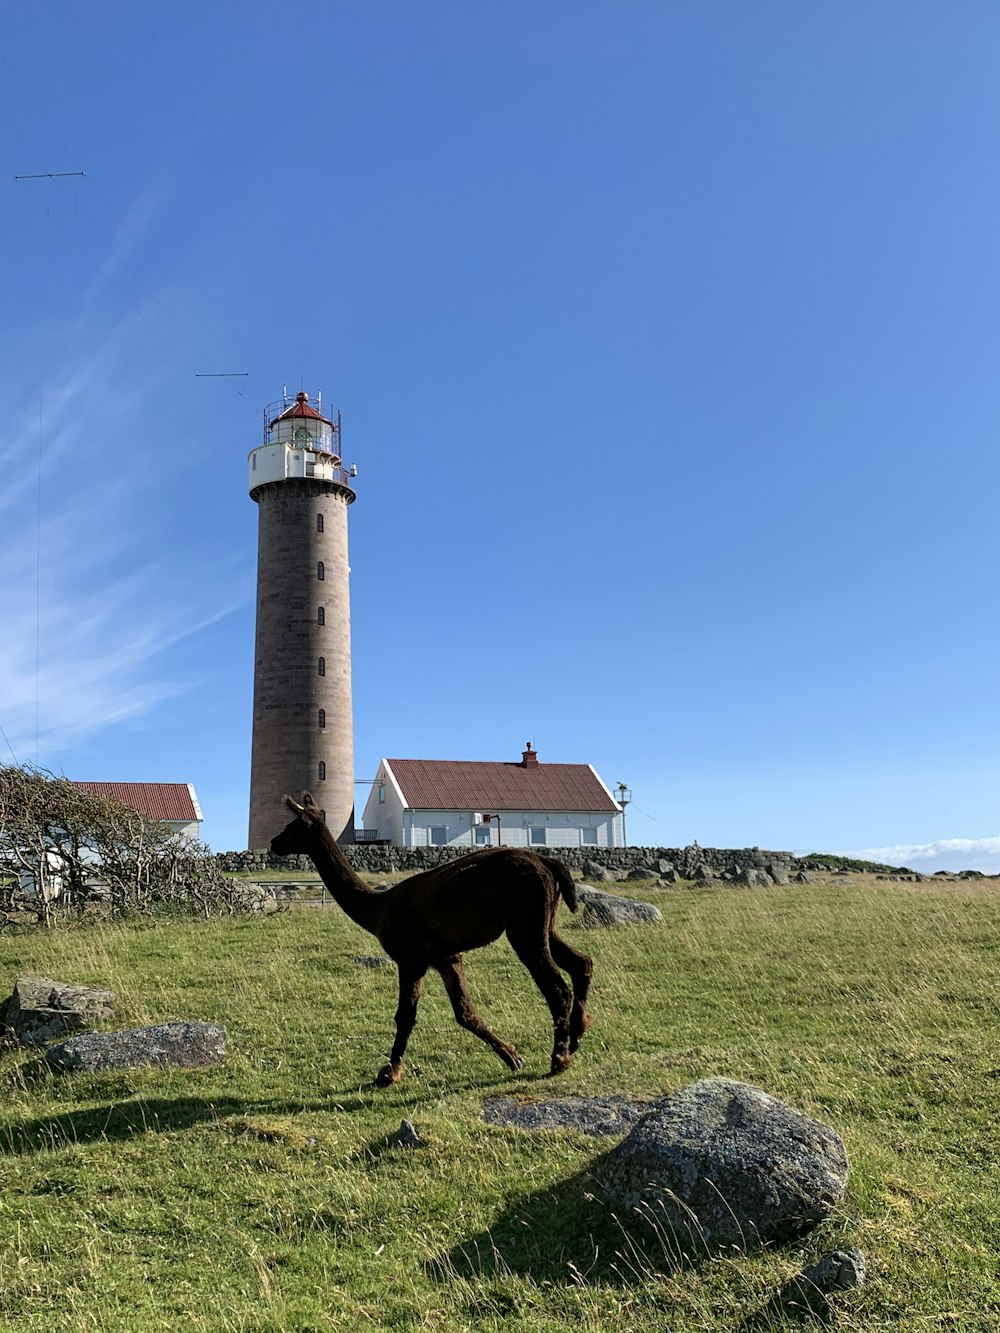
(429, 919)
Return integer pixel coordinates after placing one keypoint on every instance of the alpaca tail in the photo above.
(564, 883)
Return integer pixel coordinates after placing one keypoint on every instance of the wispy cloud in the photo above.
(87, 612)
(944, 854)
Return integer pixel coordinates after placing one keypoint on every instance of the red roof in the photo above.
(301, 408)
(456, 784)
(174, 801)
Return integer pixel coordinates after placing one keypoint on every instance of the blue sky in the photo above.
(666, 342)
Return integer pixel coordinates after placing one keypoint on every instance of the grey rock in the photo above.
(670, 876)
(610, 909)
(809, 1290)
(599, 873)
(803, 877)
(663, 868)
(407, 1137)
(179, 1045)
(778, 876)
(597, 1116)
(726, 1165)
(40, 1009)
(255, 897)
(752, 878)
(642, 872)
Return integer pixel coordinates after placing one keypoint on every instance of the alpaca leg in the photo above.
(580, 967)
(453, 976)
(411, 982)
(533, 951)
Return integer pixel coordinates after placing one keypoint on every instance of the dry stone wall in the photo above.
(689, 862)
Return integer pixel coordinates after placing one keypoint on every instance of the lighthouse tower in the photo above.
(303, 736)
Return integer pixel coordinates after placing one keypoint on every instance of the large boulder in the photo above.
(40, 1009)
(190, 1045)
(727, 1166)
(610, 909)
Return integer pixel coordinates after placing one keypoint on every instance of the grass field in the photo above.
(265, 1195)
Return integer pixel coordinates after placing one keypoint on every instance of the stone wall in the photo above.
(687, 861)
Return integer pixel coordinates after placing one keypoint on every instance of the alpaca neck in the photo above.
(362, 904)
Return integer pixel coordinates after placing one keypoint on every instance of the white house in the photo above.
(459, 803)
(172, 803)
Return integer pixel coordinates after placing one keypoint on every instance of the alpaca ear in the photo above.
(311, 810)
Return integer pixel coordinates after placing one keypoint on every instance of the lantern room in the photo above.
(299, 442)
(304, 426)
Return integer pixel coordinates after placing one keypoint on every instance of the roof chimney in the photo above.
(528, 757)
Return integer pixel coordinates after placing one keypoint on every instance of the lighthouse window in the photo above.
(321, 616)
(322, 718)
(320, 570)
(319, 522)
(321, 668)
(321, 774)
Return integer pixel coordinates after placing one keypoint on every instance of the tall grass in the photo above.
(266, 1195)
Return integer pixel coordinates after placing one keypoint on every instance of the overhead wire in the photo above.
(90, 185)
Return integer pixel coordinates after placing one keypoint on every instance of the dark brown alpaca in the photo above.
(430, 919)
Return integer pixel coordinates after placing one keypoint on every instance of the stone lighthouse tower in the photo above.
(303, 736)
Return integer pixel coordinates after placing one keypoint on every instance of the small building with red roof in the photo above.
(468, 803)
(172, 803)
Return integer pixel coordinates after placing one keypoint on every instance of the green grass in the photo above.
(265, 1195)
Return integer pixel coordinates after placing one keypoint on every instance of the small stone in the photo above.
(808, 1292)
(407, 1137)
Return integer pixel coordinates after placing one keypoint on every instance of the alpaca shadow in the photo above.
(415, 1091)
(566, 1233)
(120, 1121)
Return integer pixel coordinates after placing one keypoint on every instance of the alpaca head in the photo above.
(295, 837)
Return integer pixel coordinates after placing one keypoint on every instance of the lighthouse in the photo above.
(303, 735)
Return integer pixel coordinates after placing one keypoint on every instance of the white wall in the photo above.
(562, 829)
(385, 817)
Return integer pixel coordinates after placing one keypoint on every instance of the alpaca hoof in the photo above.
(387, 1076)
(560, 1063)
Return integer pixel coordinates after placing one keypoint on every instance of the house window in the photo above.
(537, 837)
(381, 793)
(319, 522)
(483, 835)
(321, 616)
(322, 718)
(438, 835)
(590, 837)
(320, 571)
(321, 771)
(321, 667)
